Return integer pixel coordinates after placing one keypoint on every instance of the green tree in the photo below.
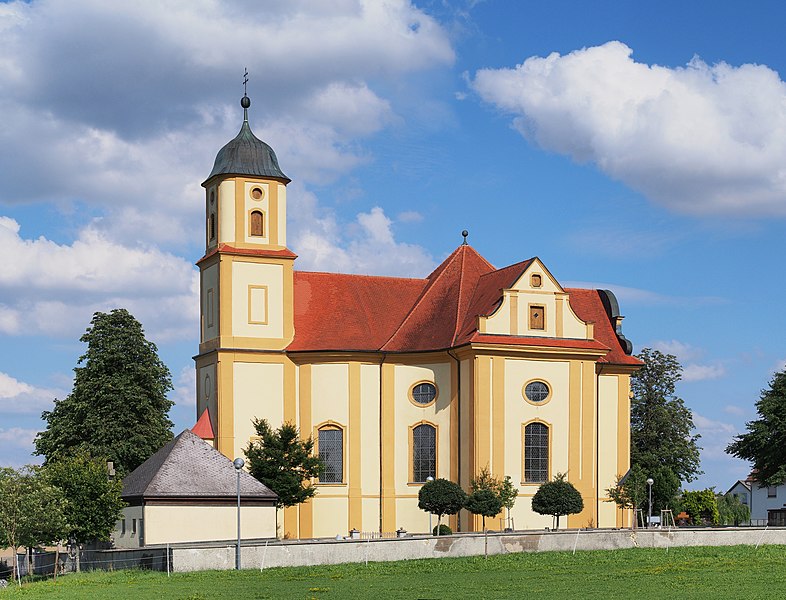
(702, 506)
(503, 488)
(665, 489)
(765, 442)
(94, 502)
(283, 462)
(630, 491)
(557, 498)
(32, 511)
(441, 497)
(486, 503)
(731, 511)
(661, 424)
(118, 406)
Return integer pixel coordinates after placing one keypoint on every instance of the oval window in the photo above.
(536, 391)
(424, 393)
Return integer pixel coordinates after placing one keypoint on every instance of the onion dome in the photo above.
(247, 154)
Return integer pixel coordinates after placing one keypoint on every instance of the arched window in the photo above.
(257, 223)
(536, 453)
(331, 451)
(212, 227)
(424, 452)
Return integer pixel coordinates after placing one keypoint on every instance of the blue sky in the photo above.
(632, 146)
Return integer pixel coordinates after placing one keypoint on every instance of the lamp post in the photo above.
(238, 462)
(430, 529)
(650, 481)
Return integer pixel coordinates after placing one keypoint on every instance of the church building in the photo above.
(400, 380)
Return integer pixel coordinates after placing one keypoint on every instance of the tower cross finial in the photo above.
(245, 101)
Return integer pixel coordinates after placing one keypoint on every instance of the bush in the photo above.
(702, 506)
(443, 530)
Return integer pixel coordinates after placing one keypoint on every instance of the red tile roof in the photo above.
(340, 312)
(203, 427)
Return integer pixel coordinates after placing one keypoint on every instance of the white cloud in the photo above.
(679, 349)
(629, 295)
(694, 372)
(365, 246)
(17, 444)
(688, 355)
(184, 394)
(409, 216)
(130, 102)
(734, 410)
(54, 289)
(18, 397)
(701, 139)
(715, 436)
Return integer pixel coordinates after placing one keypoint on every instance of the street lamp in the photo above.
(430, 529)
(650, 481)
(238, 462)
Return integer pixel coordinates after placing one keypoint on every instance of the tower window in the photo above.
(257, 223)
(211, 227)
(257, 193)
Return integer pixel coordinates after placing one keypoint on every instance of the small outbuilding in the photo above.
(187, 492)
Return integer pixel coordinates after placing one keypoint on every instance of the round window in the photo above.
(257, 193)
(536, 391)
(424, 393)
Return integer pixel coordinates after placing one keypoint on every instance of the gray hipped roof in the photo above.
(189, 467)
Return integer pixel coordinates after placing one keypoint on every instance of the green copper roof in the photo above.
(247, 155)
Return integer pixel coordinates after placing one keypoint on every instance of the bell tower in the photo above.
(246, 274)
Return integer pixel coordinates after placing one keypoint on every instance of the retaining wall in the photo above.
(325, 552)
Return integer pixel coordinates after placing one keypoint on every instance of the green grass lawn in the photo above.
(717, 572)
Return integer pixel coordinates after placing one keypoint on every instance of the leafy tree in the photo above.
(665, 489)
(557, 498)
(118, 405)
(731, 511)
(283, 462)
(503, 488)
(441, 497)
(630, 491)
(765, 443)
(487, 504)
(32, 512)
(702, 506)
(94, 502)
(661, 424)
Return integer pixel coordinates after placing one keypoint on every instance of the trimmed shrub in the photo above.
(443, 530)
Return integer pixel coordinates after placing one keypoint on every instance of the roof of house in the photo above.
(340, 312)
(189, 467)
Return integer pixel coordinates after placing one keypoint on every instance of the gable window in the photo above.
(536, 280)
(536, 453)
(423, 393)
(537, 319)
(257, 223)
(424, 452)
(331, 453)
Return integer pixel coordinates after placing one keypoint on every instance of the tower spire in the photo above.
(245, 101)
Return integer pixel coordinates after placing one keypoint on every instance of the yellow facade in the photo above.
(481, 412)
